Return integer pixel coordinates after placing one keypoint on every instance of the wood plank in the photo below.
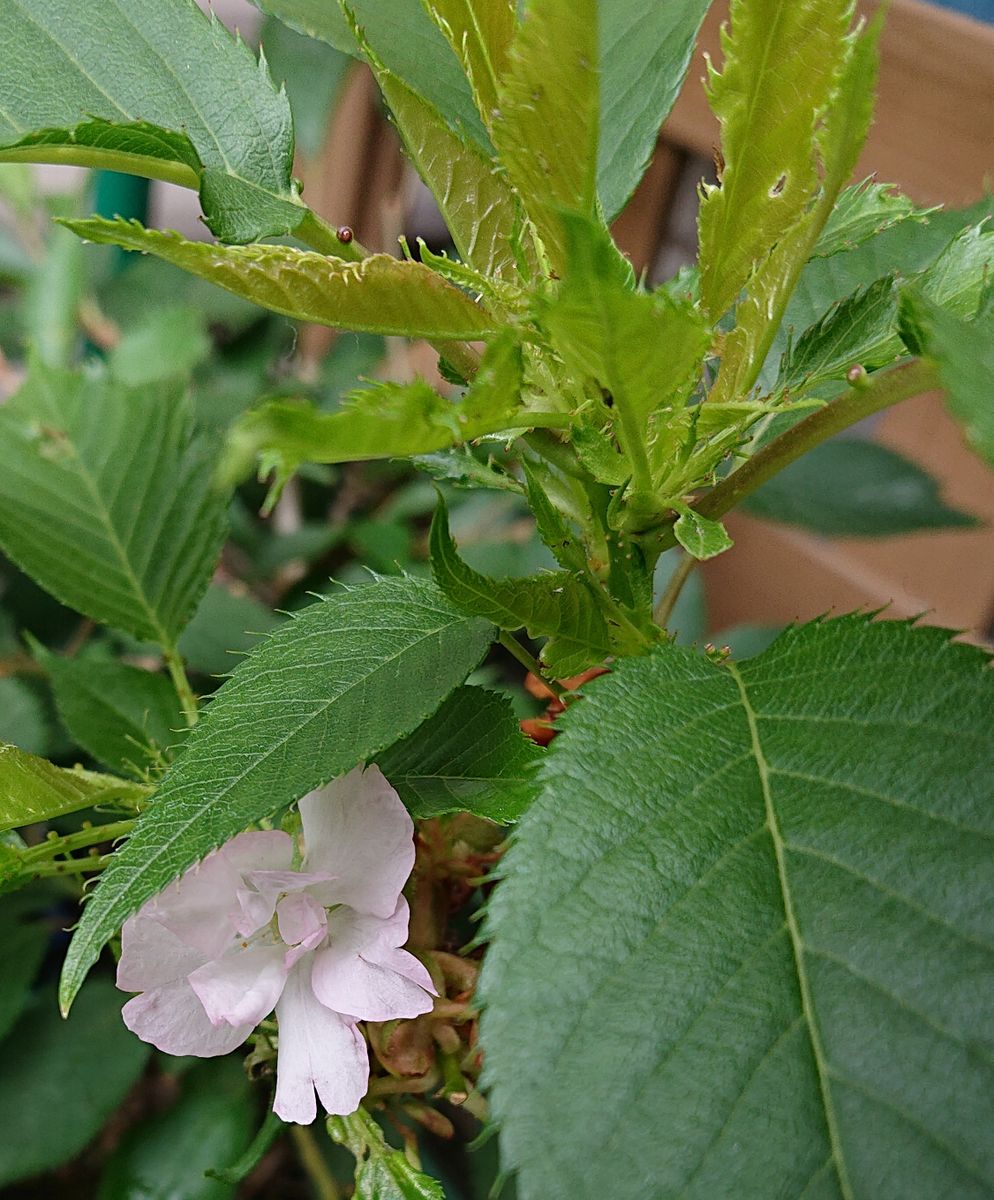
(935, 115)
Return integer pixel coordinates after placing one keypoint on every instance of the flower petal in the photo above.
(357, 829)
(357, 971)
(173, 1019)
(260, 850)
(300, 918)
(243, 986)
(318, 1049)
(197, 907)
(152, 956)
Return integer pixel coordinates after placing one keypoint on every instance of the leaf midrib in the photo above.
(797, 941)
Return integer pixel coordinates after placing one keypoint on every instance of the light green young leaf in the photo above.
(154, 88)
(23, 721)
(128, 719)
(463, 469)
(381, 1172)
(645, 51)
(547, 128)
(555, 605)
(106, 499)
(782, 68)
(698, 535)
(167, 344)
(964, 353)
(33, 789)
(390, 420)
(775, 934)
(861, 212)
(480, 36)
(333, 687)
(380, 294)
(469, 757)
(645, 350)
(849, 487)
(63, 1079)
(473, 195)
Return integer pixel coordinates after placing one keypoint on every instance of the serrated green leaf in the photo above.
(463, 469)
(128, 719)
(863, 210)
(849, 487)
(166, 1156)
(699, 535)
(33, 789)
(319, 19)
(332, 688)
(566, 547)
(644, 350)
(165, 345)
(473, 195)
(858, 331)
(645, 50)
(963, 351)
(767, 920)
(63, 1079)
(23, 721)
(380, 294)
(313, 75)
(106, 499)
(388, 420)
(156, 89)
(555, 605)
(469, 757)
(781, 70)
(547, 127)
(381, 1173)
(480, 36)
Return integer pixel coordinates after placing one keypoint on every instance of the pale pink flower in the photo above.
(245, 932)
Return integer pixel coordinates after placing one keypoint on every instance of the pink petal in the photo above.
(317, 1049)
(357, 830)
(152, 956)
(243, 986)
(197, 906)
(173, 1019)
(257, 903)
(357, 972)
(260, 850)
(300, 918)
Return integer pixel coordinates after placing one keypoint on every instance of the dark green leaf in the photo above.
(767, 920)
(469, 757)
(645, 51)
(33, 789)
(154, 88)
(106, 499)
(23, 721)
(63, 1079)
(226, 625)
(166, 1157)
(168, 344)
(127, 718)
(380, 294)
(313, 75)
(268, 1132)
(332, 688)
(853, 488)
(555, 605)
(22, 947)
(964, 353)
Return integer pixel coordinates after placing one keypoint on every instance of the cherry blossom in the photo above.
(250, 929)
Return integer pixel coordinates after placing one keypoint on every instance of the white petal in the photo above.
(152, 956)
(198, 906)
(260, 850)
(243, 986)
(256, 903)
(318, 1049)
(173, 1019)
(301, 919)
(348, 983)
(357, 972)
(358, 831)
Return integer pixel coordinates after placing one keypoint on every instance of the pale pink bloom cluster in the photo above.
(245, 932)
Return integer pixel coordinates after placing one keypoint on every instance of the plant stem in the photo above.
(321, 236)
(312, 1160)
(531, 663)
(669, 598)
(880, 392)
(177, 673)
(75, 866)
(90, 836)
